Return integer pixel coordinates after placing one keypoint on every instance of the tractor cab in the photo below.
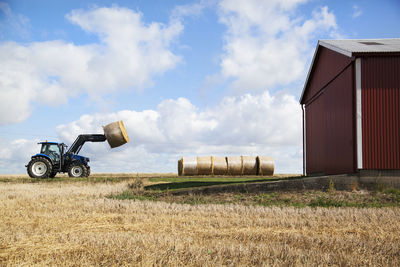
(53, 150)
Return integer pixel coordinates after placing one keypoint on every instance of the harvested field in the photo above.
(65, 223)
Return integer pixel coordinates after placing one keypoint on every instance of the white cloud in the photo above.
(191, 10)
(266, 43)
(356, 11)
(129, 55)
(260, 124)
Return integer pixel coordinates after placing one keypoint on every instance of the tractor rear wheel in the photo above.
(39, 168)
(77, 170)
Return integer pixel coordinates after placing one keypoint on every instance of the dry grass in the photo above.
(93, 178)
(74, 224)
(20, 177)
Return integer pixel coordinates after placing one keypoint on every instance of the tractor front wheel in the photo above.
(39, 168)
(77, 170)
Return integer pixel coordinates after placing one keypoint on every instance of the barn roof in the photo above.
(360, 46)
(355, 47)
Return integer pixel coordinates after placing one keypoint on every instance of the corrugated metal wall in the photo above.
(326, 66)
(380, 81)
(329, 108)
(330, 128)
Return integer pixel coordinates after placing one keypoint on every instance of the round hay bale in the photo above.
(204, 165)
(266, 165)
(180, 167)
(189, 166)
(220, 166)
(235, 165)
(116, 134)
(250, 165)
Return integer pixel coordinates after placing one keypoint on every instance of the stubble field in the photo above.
(76, 223)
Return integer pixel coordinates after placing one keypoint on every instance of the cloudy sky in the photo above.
(187, 77)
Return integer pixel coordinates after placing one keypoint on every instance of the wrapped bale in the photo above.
(235, 165)
(220, 166)
(250, 165)
(266, 165)
(116, 134)
(187, 166)
(205, 165)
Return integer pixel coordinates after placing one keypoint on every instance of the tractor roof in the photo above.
(55, 143)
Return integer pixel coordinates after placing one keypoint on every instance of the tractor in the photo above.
(55, 158)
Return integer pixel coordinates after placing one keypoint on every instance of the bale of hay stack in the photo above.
(187, 166)
(205, 165)
(250, 165)
(220, 166)
(116, 134)
(266, 165)
(235, 165)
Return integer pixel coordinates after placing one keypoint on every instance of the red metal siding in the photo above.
(330, 128)
(380, 82)
(326, 66)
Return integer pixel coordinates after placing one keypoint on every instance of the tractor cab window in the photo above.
(52, 150)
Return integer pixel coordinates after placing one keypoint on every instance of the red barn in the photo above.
(351, 107)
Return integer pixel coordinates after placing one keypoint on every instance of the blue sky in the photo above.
(187, 77)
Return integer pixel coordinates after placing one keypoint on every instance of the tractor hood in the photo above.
(80, 158)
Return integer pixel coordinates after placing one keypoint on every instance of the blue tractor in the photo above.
(54, 158)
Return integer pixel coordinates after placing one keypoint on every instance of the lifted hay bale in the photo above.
(205, 165)
(235, 165)
(266, 165)
(116, 134)
(250, 165)
(220, 166)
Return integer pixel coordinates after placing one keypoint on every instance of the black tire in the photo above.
(88, 171)
(77, 170)
(39, 168)
(53, 174)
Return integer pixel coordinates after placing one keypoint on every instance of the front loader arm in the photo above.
(82, 139)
